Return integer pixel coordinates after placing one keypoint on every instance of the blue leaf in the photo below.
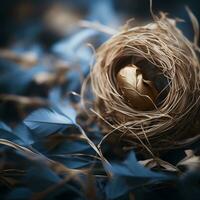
(40, 177)
(24, 134)
(64, 108)
(11, 137)
(7, 133)
(131, 168)
(44, 122)
(68, 146)
(3, 126)
(74, 161)
(62, 105)
(117, 187)
(131, 175)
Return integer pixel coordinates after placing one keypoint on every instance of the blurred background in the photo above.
(41, 40)
(47, 21)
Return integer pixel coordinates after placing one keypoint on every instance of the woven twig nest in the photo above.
(147, 86)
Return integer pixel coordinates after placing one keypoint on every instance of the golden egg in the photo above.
(139, 93)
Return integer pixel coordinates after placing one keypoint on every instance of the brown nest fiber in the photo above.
(147, 86)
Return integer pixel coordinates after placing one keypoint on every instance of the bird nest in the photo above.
(146, 85)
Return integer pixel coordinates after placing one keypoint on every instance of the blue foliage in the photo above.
(74, 161)
(3, 126)
(129, 175)
(44, 122)
(24, 133)
(70, 147)
(7, 133)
